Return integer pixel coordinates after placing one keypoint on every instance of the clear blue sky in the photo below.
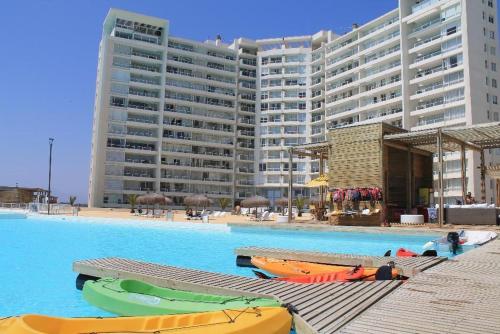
(49, 58)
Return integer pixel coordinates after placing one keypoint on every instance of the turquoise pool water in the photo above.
(37, 253)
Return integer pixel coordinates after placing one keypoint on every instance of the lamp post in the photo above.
(51, 140)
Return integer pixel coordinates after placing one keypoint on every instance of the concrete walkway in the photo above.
(456, 296)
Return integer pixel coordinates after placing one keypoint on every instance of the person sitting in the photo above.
(469, 199)
(189, 213)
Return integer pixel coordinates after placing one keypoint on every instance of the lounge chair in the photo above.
(264, 216)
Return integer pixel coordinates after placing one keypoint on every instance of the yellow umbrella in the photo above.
(321, 181)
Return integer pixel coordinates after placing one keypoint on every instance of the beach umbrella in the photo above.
(197, 200)
(255, 202)
(281, 202)
(146, 200)
(321, 181)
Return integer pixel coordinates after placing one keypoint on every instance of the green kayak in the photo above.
(135, 298)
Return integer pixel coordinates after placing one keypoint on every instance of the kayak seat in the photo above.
(430, 252)
(384, 273)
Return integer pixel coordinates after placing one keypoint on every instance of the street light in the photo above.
(51, 140)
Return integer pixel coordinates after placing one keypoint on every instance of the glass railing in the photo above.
(438, 85)
(427, 24)
(422, 5)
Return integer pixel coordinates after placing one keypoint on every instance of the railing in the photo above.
(427, 40)
(55, 209)
(20, 206)
(427, 56)
(427, 24)
(438, 85)
(422, 5)
(436, 69)
(141, 120)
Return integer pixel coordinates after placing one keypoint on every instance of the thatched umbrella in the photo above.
(255, 202)
(197, 200)
(152, 199)
(282, 203)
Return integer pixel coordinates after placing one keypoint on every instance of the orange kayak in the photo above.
(324, 272)
(405, 253)
(339, 276)
(285, 268)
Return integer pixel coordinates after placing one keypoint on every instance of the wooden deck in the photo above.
(321, 308)
(457, 296)
(406, 266)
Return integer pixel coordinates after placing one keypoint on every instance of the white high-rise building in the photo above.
(182, 117)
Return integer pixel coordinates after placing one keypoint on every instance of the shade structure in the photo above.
(283, 201)
(255, 202)
(321, 181)
(197, 201)
(151, 199)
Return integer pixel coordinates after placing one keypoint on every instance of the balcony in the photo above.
(422, 5)
(437, 85)
(138, 173)
(140, 133)
(438, 102)
(142, 120)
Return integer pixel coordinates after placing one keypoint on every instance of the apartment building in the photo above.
(181, 117)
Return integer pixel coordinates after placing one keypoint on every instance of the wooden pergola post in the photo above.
(409, 198)
(439, 142)
(483, 177)
(463, 169)
(290, 183)
(321, 171)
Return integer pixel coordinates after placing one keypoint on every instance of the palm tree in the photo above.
(72, 200)
(300, 202)
(224, 203)
(132, 200)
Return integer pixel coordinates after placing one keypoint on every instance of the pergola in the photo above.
(477, 138)
(314, 150)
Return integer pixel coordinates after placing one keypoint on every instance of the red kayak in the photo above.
(358, 273)
(405, 253)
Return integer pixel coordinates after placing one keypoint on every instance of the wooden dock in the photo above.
(407, 266)
(321, 308)
(457, 296)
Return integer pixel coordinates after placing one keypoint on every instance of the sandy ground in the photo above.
(305, 221)
(179, 216)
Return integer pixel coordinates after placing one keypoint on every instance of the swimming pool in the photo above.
(37, 253)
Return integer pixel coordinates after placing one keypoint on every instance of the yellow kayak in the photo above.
(286, 268)
(266, 320)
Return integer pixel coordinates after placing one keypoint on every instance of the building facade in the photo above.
(180, 117)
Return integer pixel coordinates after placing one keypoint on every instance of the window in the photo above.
(488, 100)
(493, 51)
(494, 99)
(487, 81)
(494, 83)
(491, 19)
(492, 34)
(486, 64)
(494, 67)
(485, 47)
(488, 114)
(490, 3)
(495, 116)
